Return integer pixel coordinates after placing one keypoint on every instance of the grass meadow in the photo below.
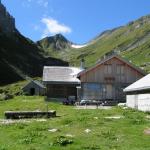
(75, 129)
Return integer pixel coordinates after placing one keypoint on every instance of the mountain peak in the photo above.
(59, 36)
(56, 42)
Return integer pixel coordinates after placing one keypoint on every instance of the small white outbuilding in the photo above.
(138, 94)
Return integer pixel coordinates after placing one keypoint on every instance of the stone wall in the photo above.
(7, 22)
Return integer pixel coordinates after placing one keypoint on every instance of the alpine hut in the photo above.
(34, 87)
(106, 80)
(61, 82)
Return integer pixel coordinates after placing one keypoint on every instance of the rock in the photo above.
(87, 130)
(69, 135)
(125, 108)
(41, 120)
(147, 131)
(53, 130)
(114, 117)
(148, 117)
(96, 118)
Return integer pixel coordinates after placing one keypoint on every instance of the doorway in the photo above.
(109, 91)
(32, 91)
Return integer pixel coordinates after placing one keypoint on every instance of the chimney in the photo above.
(82, 64)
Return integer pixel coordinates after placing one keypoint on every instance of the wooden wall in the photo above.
(100, 75)
(112, 76)
(61, 90)
(37, 89)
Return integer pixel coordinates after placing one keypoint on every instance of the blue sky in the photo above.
(78, 20)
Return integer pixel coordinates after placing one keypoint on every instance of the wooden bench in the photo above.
(29, 114)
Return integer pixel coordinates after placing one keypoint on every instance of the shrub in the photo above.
(27, 140)
(5, 96)
(62, 141)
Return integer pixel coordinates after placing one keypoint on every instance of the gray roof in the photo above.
(61, 74)
(142, 84)
(38, 83)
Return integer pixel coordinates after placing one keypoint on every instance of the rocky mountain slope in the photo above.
(132, 41)
(19, 56)
(55, 43)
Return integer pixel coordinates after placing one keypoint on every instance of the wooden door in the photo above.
(109, 91)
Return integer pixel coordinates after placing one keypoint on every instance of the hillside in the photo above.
(132, 41)
(19, 57)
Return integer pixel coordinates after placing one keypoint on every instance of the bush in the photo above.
(5, 96)
(62, 141)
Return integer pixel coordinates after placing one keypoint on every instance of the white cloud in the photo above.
(54, 27)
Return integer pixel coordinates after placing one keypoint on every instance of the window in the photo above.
(108, 68)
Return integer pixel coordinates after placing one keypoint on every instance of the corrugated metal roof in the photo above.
(142, 84)
(61, 74)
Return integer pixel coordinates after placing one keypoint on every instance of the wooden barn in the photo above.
(61, 82)
(106, 80)
(34, 88)
(138, 94)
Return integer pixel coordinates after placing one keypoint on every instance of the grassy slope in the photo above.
(120, 39)
(15, 88)
(106, 134)
(133, 40)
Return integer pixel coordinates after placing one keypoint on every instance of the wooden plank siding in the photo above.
(98, 74)
(113, 76)
(61, 90)
(37, 89)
